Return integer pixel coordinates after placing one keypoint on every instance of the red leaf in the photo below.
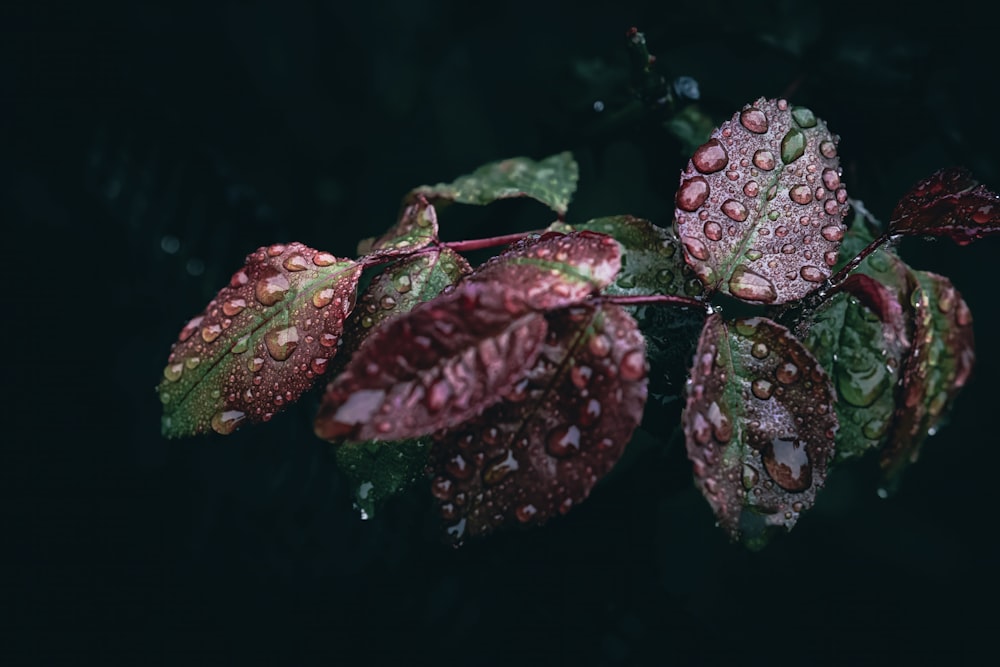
(441, 364)
(760, 206)
(262, 341)
(556, 433)
(950, 203)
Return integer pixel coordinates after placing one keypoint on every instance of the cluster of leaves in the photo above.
(516, 385)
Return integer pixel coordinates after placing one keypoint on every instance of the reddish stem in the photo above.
(642, 299)
(479, 244)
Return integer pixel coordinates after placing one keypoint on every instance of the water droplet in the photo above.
(695, 247)
(458, 467)
(701, 429)
(282, 342)
(692, 193)
(387, 302)
(751, 189)
(664, 276)
(832, 233)
(295, 262)
(762, 389)
(328, 340)
(225, 422)
(239, 278)
(831, 207)
(210, 332)
(633, 366)
(828, 149)
(750, 476)
(402, 283)
(713, 230)
(831, 179)
(526, 512)
(759, 350)
(323, 259)
(276, 249)
(750, 286)
(734, 210)
(787, 373)
(192, 363)
(710, 157)
(788, 249)
(764, 159)
(793, 146)
(438, 395)
(813, 274)
(441, 488)
(753, 255)
(272, 287)
(255, 364)
(563, 441)
(801, 194)
(590, 412)
(963, 316)
(787, 462)
(804, 117)
(323, 297)
(754, 120)
(781, 231)
(173, 372)
(599, 345)
(497, 471)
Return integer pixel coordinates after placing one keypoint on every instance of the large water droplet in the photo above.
(402, 283)
(633, 366)
(787, 462)
(787, 373)
(323, 259)
(210, 332)
(875, 428)
(812, 273)
(295, 262)
(764, 159)
(599, 345)
(692, 193)
(734, 210)
(828, 149)
(713, 230)
(762, 389)
(282, 342)
(225, 422)
(804, 117)
(563, 441)
(793, 146)
(233, 307)
(754, 120)
(832, 233)
(710, 157)
(173, 372)
(272, 287)
(750, 286)
(695, 247)
(801, 194)
(497, 471)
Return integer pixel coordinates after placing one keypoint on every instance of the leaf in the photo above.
(554, 270)
(938, 365)
(417, 228)
(540, 451)
(441, 364)
(262, 341)
(551, 181)
(401, 286)
(759, 424)
(862, 348)
(949, 202)
(380, 470)
(651, 262)
(760, 205)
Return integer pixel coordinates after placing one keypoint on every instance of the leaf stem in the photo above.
(643, 299)
(491, 242)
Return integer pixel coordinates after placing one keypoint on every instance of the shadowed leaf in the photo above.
(379, 470)
(262, 341)
(551, 181)
(949, 203)
(561, 428)
(417, 228)
(440, 364)
(760, 206)
(759, 425)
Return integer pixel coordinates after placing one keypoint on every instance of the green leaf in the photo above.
(759, 425)
(417, 228)
(378, 471)
(260, 343)
(551, 181)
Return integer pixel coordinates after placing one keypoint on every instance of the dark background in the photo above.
(146, 149)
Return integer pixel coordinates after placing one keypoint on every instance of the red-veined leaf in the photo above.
(262, 341)
(949, 202)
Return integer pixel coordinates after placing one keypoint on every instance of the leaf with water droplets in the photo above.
(417, 228)
(558, 431)
(401, 286)
(434, 367)
(938, 366)
(949, 203)
(554, 270)
(861, 344)
(759, 424)
(760, 206)
(378, 471)
(260, 343)
(551, 181)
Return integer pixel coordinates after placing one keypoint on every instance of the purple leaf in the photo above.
(759, 424)
(760, 206)
(262, 341)
(560, 429)
(950, 203)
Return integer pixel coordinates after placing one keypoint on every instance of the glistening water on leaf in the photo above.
(417, 228)
(760, 206)
(378, 471)
(262, 341)
(950, 203)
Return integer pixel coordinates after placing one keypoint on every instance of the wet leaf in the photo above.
(759, 425)
(417, 228)
(400, 287)
(862, 349)
(442, 363)
(561, 428)
(949, 203)
(554, 270)
(937, 367)
(262, 341)
(551, 181)
(760, 206)
(380, 470)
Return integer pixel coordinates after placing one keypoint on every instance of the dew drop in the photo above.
(387, 302)
(633, 366)
(804, 117)
(526, 512)
(599, 345)
(787, 462)
(832, 233)
(749, 286)
(319, 365)
(328, 340)
(793, 146)
(764, 159)
(458, 467)
(751, 189)
(225, 422)
(233, 307)
(713, 230)
(281, 343)
(590, 412)
(759, 350)
(276, 249)
(497, 471)
(695, 247)
(210, 332)
(323, 297)
(710, 157)
(830, 206)
(812, 273)
(831, 179)
(402, 283)
(563, 441)
(754, 120)
(787, 373)
(272, 288)
(438, 395)
(734, 210)
(580, 376)
(173, 372)
(753, 255)
(762, 389)
(800, 194)
(828, 149)
(295, 262)
(255, 364)
(692, 193)
(441, 488)
(750, 476)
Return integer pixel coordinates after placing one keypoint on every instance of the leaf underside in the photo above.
(760, 206)
(260, 343)
(380, 470)
(540, 450)
(951, 203)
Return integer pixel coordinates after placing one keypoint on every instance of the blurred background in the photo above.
(148, 147)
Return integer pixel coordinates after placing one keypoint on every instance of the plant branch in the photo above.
(643, 299)
(491, 242)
